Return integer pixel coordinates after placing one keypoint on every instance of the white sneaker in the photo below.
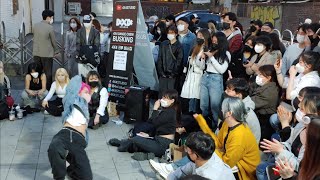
(162, 168)
(45, 112)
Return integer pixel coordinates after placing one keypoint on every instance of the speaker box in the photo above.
(137, 104)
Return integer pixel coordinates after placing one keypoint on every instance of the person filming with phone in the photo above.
(214, 62)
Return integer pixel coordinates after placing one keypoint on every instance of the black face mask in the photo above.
(93, 84)
(225, 25)
(214, 47)
(200, 41)
(253, 28)
(263, 33)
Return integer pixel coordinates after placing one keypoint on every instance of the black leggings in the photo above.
(68, 145)
(158, 145)
(55, 107)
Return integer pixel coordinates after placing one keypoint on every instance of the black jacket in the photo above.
(167, 65)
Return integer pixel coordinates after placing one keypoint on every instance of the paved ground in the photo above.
(24, 144)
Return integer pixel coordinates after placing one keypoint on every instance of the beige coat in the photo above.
(44, 41)
(266, 59)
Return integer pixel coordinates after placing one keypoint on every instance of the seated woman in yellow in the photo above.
(235, 143)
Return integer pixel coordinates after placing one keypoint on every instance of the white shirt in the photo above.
(76, 118)
(60, 92)
(104, 96)
(213, 169)
(214, 66)
(310, 79)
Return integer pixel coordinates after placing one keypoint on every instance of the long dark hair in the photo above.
(173, 94)
(77, 21)
(310, 168)
(207, 42)
(35, 66)
(221, 55)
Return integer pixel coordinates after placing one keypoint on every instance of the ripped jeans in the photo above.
(69, 145)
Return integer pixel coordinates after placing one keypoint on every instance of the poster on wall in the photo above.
(120, 61)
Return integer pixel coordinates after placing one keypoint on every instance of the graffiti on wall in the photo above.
(266, 13)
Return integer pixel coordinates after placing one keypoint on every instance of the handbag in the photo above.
(89, 55)
(10, 101)
(173, 66)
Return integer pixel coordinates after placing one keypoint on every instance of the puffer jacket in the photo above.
(167, 65)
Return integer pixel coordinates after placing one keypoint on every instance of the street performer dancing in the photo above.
(70, 142)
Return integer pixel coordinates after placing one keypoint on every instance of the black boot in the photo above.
(124, 146)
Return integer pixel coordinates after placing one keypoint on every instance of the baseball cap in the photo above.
(185, 19)
(86, 19)
(269, 24)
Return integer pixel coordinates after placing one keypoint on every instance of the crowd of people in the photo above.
(242, 104)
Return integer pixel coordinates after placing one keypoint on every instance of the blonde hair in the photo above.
(63, 71)
(212, 27)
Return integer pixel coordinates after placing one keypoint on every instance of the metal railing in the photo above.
(18, 49)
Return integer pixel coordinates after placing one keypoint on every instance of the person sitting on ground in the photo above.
(4, 92)
(70, 142)
(205, 162)
(235, 143)
(35, 88)
(238, 87)
(164, 120)
(99, 101)
(58, 87)
(266, 98)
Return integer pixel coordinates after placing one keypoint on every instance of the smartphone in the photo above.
(205, 49)
(271, 174)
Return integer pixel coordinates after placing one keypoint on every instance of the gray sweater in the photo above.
(252, 119)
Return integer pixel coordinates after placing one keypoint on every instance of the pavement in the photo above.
(24, 144)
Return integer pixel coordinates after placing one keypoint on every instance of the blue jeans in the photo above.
(193, 105)
(274, 121)
(185, 160)
(211, 90)
(261, 168)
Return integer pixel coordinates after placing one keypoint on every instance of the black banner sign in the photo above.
(120, 62)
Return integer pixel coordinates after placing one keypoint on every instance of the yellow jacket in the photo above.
(241, 148)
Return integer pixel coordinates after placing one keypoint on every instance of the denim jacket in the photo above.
(187, 43)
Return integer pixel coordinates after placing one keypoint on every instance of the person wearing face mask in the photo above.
(169, 65)
(295, 50)
(308, 67)
(69, 144)
(200, 149)
(254, 29)
(58, 87)
(35, 88)
(99, 101)
(87, 36)
(266, 98)
(170, 20)
(262, 57)
(191, 85)
(311, 33)
(194, 20)
(160, 33)
(293, 149)
(164, 119)
(70, 46)
(44, 44)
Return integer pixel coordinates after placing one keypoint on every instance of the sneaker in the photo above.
(162, 168)
(45, 112)
(114, 142)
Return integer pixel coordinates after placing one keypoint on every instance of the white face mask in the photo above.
(300, 68)
(87, 25)
(73, 25)
(51, 21)
(180, 27)
(171, 36)
(259, 48)
(259, 81)
(159, 32)
(35, 74)
(164, 103)
(299, 115)
(167, 23)
(300, 38)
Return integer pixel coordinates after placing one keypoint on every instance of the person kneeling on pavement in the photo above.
(70, 142)
(205, 162)
(99, 100)
(164, 122)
